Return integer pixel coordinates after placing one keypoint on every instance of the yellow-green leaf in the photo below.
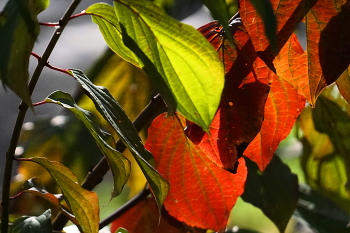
(83, 203)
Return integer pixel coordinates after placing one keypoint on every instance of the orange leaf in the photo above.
(201, 194)
(241, 110)
(282, 107)
(328, 38)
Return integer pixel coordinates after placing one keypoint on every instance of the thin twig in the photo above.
(153, 109)
(22, 112)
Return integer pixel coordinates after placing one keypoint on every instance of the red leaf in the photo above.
(143, 217)
(281, 110)
(241, 110)
(328, 38)
(201, 194)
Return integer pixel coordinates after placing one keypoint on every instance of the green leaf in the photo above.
(19, 28)
(120, 165)
(219, 10)
(264, 9)
(104, 16)
(115, 115)
(275, 191)
(175, 54)
(26, 224)
(321, 212)
(83, 203)
(35, 187)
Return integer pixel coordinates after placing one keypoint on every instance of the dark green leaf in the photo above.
(115, 115)
(219, 10)
(26, 224)
(264, 9)
(321, 212)
(176, 57)
(275, 191)
(120, 165)
(83, 203)
(19, 28)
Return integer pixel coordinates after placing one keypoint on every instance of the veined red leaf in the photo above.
(328, 39)
(146, 212)
(282, 108)
(202, 194)
(241, 110)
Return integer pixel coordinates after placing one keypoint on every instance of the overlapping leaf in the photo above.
(180, 62)
(83, 203)
(115, 115)
(202, 194)
(328, 43)
(27, 224)
(120, 165)
(282, 108)
(19, 28)
(241, 110)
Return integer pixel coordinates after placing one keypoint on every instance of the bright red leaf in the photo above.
(328, 38)
(282, 107)
(201, 194)
(241, 110)
(143, 217)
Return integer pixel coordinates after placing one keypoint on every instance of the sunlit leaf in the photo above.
(275, 191)
(26, 224)
(328, 41)
(83, 203)
(241, 111)
(19, 28)
(146, 212)
(115, 115)
(282, 107)
(193, 177)
(104, 16)
(180, 62)
(120, 165)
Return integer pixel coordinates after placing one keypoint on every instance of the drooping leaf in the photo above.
(282, 107)
(275, 191)
(35, 187)
(19, 28)
(320, 212)
(83, 203)
(120, 165)
(220, 12)
(115, 115)
(104, 16)
(26, 224)
(193, 177)
(241, 110)
(180, 62)
(146, 212)
(328, 43)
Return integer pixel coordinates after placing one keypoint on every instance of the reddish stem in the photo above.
(57, 24)
(65, 71)
(39, 103)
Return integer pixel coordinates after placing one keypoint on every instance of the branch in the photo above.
(22, 112)
(152, 110)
